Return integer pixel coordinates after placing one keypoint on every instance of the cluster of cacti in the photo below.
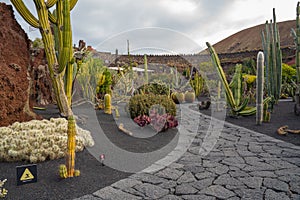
(3, 191)
(56, 32)
(63, 172)
(273, 59)
(197, 83)
(141, 104)
(233, 90)
(296, 35)
(39, 140)
(104, 84)
(177, 97)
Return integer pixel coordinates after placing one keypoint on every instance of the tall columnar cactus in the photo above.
(259, 87)
(296, 34)
(58, 49)
(233, 98)
(146, 69)
(273, 59)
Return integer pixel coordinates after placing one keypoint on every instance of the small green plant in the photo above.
(3, 191)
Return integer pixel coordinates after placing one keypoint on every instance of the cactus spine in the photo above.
(59, 64)
(273, 59)
(259, 88)
(107, 104)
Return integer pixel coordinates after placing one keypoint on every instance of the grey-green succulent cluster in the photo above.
(39, 140)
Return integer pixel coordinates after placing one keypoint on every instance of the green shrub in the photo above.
(154, 88)
(140, 104)
(288, 73)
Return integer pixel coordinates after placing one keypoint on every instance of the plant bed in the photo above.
(282, 115)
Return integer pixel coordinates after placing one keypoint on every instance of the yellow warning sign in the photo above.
(27, 175)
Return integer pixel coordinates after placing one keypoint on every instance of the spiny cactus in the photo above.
(259, 88)
(233, 98)
(273, 59)
(58, 47)
(107, 104)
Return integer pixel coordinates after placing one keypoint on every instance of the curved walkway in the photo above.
(236, 164)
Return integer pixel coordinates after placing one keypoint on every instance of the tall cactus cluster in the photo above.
(56, 32)
(273, 59)
(296, 34)
(234, 89)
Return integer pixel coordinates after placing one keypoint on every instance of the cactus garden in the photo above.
(88, 119)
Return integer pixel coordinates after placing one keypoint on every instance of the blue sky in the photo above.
(166, 24)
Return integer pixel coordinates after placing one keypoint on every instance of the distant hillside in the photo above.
(250, 39)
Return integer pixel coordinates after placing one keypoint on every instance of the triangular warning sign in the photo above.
(27, 175)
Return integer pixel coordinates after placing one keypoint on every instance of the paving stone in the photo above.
(88, 197)
(226, 179)
(194, 168)
(151, 191)
(238, 173)
(272, 195)
(187, 177)
(114, 194)
(284, 172)
(203, 175)
(148, 178)
(134, 192)
(126, 183)
(220, 169)
(252, 182)
(251, 194)
(171, 197)
(169, 173)
(168, 184)
(244, 153)
(176, 166)
(276, 184)
(184, 189)
(198, 197)
(208, 163)
(295, 187)
(280, 164)
(217, 191)
(290, 178)
(204, 183)
(234, 161)
(264, 174)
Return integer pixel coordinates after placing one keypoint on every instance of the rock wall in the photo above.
(14, 62)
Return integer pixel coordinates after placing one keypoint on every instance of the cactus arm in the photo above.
(51, 3)
(72, 4)
(146, 69)
(52, 18)
(25, 13)
(216, 63)
(64, 54)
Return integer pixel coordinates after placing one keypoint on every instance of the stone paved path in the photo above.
(241, 165)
